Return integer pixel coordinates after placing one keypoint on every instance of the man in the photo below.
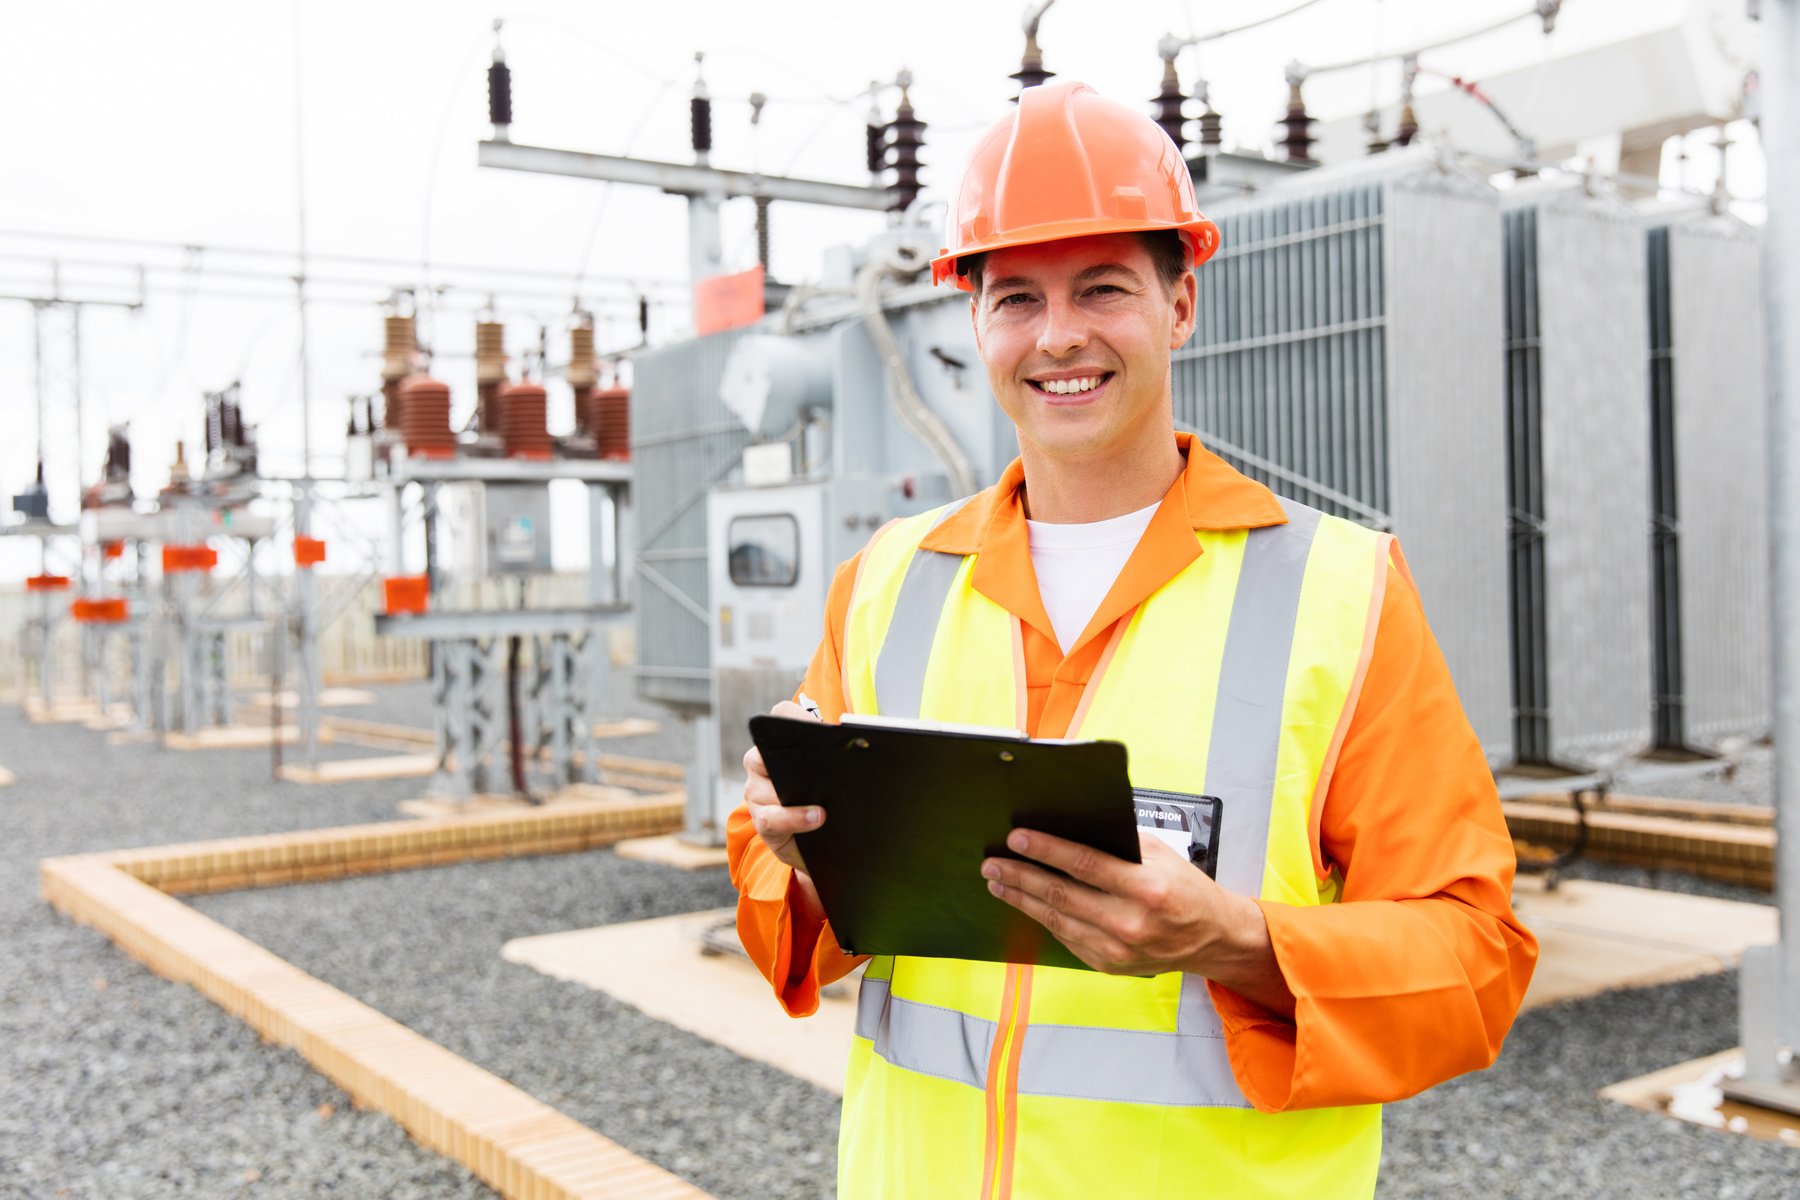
(1237, 1037)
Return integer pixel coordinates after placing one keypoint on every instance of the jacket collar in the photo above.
(1208, 494)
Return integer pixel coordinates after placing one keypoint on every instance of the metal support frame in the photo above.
(1769, 995)
(469, 693)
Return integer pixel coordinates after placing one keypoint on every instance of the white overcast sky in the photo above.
(176, 123)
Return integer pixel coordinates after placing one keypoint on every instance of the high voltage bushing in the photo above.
(700, 119)
(1031, 72)
(909, 137)
(1299, 138)
(499, 83)
(762, 232)
(400, 353)
(499, 94)
(582, 372)
(644, 318)
(1168, 104)
(490, 373)
(875, 135)
(1212, 125)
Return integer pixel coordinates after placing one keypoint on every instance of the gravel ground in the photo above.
(114, 1083)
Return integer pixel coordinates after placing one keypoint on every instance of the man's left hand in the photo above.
(1126, 918)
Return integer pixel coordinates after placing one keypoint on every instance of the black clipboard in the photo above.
(911, 814)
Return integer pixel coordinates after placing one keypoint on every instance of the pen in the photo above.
(810, 706)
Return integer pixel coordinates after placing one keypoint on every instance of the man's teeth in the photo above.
(1068, 387)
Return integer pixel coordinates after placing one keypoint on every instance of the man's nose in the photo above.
(1064, 331)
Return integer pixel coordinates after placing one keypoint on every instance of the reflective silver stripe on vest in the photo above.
(1188, 1068)
(906, 650)
(923, 1037)
(1246, 731)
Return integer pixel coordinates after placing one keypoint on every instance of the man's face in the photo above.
(1076, 336)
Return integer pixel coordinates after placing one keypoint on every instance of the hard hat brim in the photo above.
(1200, 237)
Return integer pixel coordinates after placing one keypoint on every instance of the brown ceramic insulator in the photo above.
(610, 422)
(583, 371)
(425, 417)
(490, 352)
(400, 350)
(524, 427)
(1299, 139)
(487, 406)
(584, 403)
(391, 405)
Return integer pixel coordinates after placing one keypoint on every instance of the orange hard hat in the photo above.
(1070, 163)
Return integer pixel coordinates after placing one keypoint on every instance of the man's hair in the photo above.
(1167, 255)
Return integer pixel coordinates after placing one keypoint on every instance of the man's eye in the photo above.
(1106, 287)
(1007, 300)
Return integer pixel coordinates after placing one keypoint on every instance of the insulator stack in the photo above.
(609, 417)
(1212, 125)
(1408, 128)
(524, 416)
(424, 421)
(1168, 104)
(875, 137)
(1299, 137)
(490, 373)
(700, 123)
(1031, 72)
(499, 95)
(1372, 126)
(1409, 125)
(644, 319)
(399, 353)
(909, 136)
(762, 232)
(583, 372)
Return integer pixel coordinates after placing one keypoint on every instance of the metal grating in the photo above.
(1711, 585)
(1525, 491)
(1348, 356)
(1284, 374)
(1667, 688)
(1578, 355)
(683, 441)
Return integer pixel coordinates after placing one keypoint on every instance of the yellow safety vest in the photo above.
(986, 1080)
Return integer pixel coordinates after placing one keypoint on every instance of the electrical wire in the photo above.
(1231, 31)
(1427, 47)
(214, 251)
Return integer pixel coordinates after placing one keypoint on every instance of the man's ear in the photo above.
(1185, 299)
(975, 321)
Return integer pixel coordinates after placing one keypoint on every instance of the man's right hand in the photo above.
(773, 823)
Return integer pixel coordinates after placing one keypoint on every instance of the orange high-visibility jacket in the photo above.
(1413, 977)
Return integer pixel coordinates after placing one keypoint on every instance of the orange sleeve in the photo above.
(1416, 974)
(777, 926)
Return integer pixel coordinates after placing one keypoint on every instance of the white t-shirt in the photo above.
(1076, 566)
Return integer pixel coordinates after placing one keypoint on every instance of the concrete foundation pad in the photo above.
(331, 697)
(1692, 1092)
(236, 737)
(626, 727)
(489, 802)
(671, 851)
(1597, 936)
(657, 967)
(347, 770)
(66, 708)
(1594, 937)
